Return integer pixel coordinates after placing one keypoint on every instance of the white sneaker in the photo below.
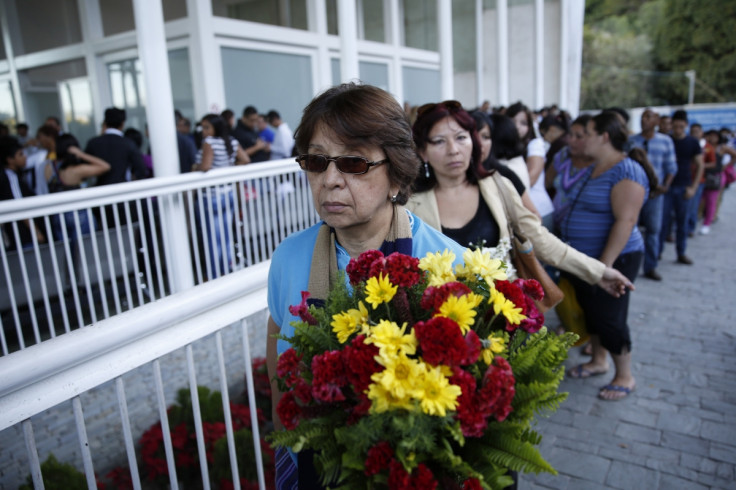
(704, 230)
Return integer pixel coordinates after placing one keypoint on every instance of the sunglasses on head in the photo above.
(451, 105)
(313, 162)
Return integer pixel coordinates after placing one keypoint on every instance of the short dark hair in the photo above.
(114, 117)
(620, 111)
(249, 111)
(679, 115)
(696, 125)
(55, 119)
(505, 136)
(21, 126)
(272, 115)
(135, 136)
(227, 114)
(516, 108)
(48, 130)
(9, 146)
(364, 116)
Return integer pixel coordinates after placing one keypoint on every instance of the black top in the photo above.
(6, 193)
(506, 172)
(482, 230)
(247, 138)
(121, 153)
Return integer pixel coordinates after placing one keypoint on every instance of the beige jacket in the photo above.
(547, 247)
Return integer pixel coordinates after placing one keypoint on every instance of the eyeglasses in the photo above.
(451, 105)
(313, 162)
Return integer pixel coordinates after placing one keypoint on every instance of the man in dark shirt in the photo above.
(246, 132)
(683, 187)
(121, 153)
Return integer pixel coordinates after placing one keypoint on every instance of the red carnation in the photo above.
(472, 346)
(472, 484)
(433, 296)
(328, 370)
(287, 367)
(422, 478)
(358, 269)
(498, 388)
(288, 410)
(302, 310)
(531, 287)
(398, 478)
(534, 318)
(359, 359)
(402, 270)
(379, 457)
(441, 341)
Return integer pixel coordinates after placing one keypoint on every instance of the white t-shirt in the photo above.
(537, 192)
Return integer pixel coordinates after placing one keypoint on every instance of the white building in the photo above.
(74, 58)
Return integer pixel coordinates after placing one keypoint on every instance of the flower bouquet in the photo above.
(418, 375)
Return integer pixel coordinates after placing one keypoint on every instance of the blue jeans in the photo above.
(651, 219)
(674, 200)
(67, 221)
(219, 205)
(692, 210)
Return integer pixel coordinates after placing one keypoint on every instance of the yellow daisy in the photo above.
(506, 307)
(439, 266)
(379, 290)
(478, 263)
(437, 394)
(461, 309)
(392, 340)
(383, 400)
(400, 375)
(344, 324)
(494, 345)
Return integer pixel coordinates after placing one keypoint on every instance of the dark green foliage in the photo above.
(58, 476)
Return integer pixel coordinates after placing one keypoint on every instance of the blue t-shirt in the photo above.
(660, 151)
(291, 263)
(685, 149)
(590, 219)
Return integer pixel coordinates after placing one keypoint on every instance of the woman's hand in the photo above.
(615, 283)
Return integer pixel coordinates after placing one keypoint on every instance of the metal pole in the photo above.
(444, 35)
(347, 25)
(502, 21)
(690, 74)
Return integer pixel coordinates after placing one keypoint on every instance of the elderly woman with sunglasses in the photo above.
(455, 194)
(356, 147)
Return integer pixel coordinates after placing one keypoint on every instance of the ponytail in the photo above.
(640, 156)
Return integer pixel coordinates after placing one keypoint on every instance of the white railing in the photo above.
(120, 350)
(110, 249)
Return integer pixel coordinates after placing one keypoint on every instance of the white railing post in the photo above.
(149, 21)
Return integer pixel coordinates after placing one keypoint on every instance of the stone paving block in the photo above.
(627, 476)
(621, 452)
(638, 433)
(672, 468)
(725, 471)
(718, 432)
(661, 453)
(557, 482)
(705, 414)
(655, 405)
(678, 422)
(713, 482)
(671, 482)
(577, 465)
(682, 442)
(722, 452)
(717, 406)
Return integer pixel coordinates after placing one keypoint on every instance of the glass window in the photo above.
(289, 13)
(335, 64)
(421, 85)
(7, 105)
(174, 9)
(117, 16)
(374, 74)
(373, 21)
(76, 108)
(331, 6)
(278, 81)
(41, 91)
(463, 35)
(181, 82)
(44, 25)
(2, 45)
(420, 24)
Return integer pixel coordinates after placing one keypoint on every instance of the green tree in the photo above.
(699, 36)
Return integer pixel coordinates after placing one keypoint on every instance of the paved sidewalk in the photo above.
(678, 429)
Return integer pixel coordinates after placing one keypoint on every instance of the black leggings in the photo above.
(605, 315)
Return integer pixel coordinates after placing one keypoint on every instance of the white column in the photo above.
(91, 25)
(502, 21)
(539, 53)
(444, 37)
(206, 61)
(479, 42)
(317, 22)
(152, 52)
(574, 65)
(347, 27)
(397, 70)
(564, 59)
(4, 25)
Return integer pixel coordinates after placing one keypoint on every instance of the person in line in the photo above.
(121, 153)
(12, 160)
(715, 177)
(67, 172)
(246, 132)
(684, 186)
(355, 145)
(535, 150)
(507, 148)
(219, 150)
(661, 154)
(283, 140)
(461, 199)
(602, 223)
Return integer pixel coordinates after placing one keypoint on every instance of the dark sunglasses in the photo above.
(345, 164)
(450, 105)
